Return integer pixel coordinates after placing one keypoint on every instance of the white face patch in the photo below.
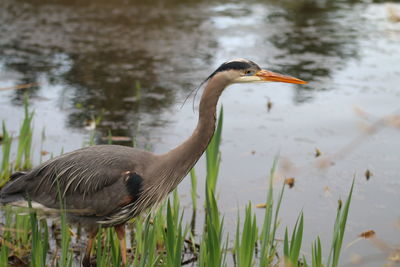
(248, 79)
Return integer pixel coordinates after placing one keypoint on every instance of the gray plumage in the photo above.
(108, 184)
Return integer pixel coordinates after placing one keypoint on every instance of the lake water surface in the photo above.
(132, 64)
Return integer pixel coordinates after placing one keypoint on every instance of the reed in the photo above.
(146, 243)
(5, 170)
(339, 230)
(291, 249)
(245, 243)
(39, 239)
(23, 158)
(213, 155)
(268, 243)
(173, 238)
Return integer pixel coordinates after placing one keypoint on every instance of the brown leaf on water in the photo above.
(117, 138)
(368, 174)
(367, 234)
(20, 86)
(317, 152)
(261, 205)
(290, 182)
(44, 152)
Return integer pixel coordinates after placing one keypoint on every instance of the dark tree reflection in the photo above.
(129, 61)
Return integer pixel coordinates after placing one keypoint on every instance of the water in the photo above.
(132, 64)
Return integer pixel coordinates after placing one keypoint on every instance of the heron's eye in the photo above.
(248, 72)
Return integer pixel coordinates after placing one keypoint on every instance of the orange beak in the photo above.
(276, 77)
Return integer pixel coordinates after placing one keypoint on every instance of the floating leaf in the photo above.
(368, 174)
(20, 86)
(290, 182)
(44, 152)
(368, 234)
(261, 205)
(117, 138)
(317, 152)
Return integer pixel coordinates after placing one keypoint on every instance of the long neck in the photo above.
(178, 162)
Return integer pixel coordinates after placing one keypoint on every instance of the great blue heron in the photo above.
(108, 185)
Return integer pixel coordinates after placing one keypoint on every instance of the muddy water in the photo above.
(133, 64)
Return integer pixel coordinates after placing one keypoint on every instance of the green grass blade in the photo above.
(267, 238)
(339, 230)
(6, 148)
(296, 241)
(213, 155)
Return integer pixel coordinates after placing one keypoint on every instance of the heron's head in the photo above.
(245, 71)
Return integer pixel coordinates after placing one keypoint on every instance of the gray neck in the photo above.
(177, 163)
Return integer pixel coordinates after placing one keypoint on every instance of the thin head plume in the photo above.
(195, 90)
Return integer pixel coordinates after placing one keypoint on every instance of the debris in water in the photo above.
(367, 234)
(269, 105)
(261, 205)
(317, 152)
(21, 86)
(368, 174)
(117, 138)
(44, 152)
(290, 182)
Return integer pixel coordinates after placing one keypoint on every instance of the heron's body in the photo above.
(108, 185)
(96, 190)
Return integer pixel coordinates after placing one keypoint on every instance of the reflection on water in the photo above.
(132, 64)
(99, 50)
